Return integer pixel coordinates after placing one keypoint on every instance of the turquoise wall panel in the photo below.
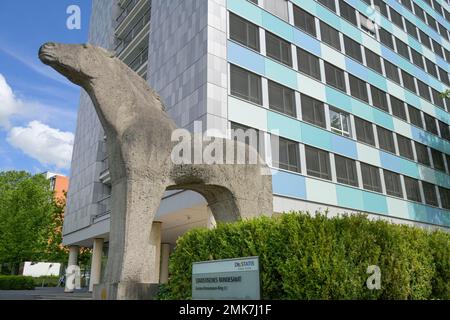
(287, 127)
(288, 184)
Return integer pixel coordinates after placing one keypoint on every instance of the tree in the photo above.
(26, 212)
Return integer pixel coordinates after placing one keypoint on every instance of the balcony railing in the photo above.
(104, 207)
(140, 59)
(126, 9)
(123, 42)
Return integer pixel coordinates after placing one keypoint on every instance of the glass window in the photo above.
(430, 123)
(281, 99)
(396, 18)
(346, 170)
(391, 71)
(367, 25)
(373, 61)
(414, 116)
(393, 184)
(245, 85)
(445, 197)
(445, 131)
(424, 39)
(288, 155)
(278, 49)
(352, 48)
(422, 153)
(411, 29)
(244, 32)
(335, 76)
(412, 189)
(329, 3)
(364, 131)
(408, 81)
(398, 108)
(431, 68)
(304, 21)
(313, 111)
(358, 88)
(379, 98)
(437, 48)
(419, 12)
(278, 8)
(381, 6)
(386, 38)
(371, 177)
(423, 90)
(330, 35)
(402, 48)
(247, 135)
(443, 76)
(438, 159)
(417, 59)
(318, 163)
(386, 139)
(308, 63)
(340, 122)
(405, 147)
(347, 12)
(429, 191)
(437, 99)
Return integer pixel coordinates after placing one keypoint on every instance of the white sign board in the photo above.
(230, 279)
(41, 269)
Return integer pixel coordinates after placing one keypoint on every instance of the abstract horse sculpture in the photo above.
(138, 139)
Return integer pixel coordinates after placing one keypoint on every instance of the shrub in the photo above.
(46, 281)
(305, 257)
(16, 283)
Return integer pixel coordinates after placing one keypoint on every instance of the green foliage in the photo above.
(16, 283)
(46, 281)
(305, 257)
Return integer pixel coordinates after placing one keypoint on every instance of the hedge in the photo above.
(48, 281)
(317, 257)
(16, 283)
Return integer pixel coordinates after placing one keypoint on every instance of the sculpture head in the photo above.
(77, 62)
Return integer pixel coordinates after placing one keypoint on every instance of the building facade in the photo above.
(350, 87)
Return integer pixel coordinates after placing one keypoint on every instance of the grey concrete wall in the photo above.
(84, 188)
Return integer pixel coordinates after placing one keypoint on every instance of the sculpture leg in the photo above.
(132, 271)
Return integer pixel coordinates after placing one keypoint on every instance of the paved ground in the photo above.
(44, 294)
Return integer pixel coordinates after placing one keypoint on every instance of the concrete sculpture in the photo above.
(139, 145)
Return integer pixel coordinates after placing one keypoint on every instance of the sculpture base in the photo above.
(125, 291)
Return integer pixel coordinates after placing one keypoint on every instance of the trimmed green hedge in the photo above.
(305, 257)
(16, 283)
(48, 281)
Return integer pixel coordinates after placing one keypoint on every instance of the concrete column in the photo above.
(164, 271)
(96, 263)
(155, 240)
(72, 271)
(73, 256)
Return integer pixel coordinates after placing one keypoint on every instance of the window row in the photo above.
(385, 37)
(248, 86)
(319, 164)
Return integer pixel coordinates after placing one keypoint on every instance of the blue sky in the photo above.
(38, 107)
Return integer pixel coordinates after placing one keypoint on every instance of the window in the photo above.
(424, 39)
(443, 76)
(429, 191)
(391, 71)
(329, 3)
(422, 153)
(288, 155)
(247, 135)
(386, 38)
(398, 108)
(335, 76)
(411, 29)
(412, 189)
(419, 12)
(443, 31)
(393, 184)
(347, 12)
(445, 131)
(379, 98)
(417, 59)
(278, 49)
(438, 160)
(364, 131)
(308, 63)
(386, 139)
(340, 122)
(346, 170)
(432, 22)
(402, 48)
(371, 177)
(381, 6)
(373, 61)
(318, 163)
(352, 48)
(430, 124)
(423, 90)
(313, 111)
(408, 81)
(437, 48)
(405, 147)
(278, 8)
(358, 88)
(431, 68)
(244, 32)
(396, 18)
(367, 25)
(437, 99)
(445, 197)
(304, 21)
(245, 85)
(281, 99)
(330, 35)
(414, 116)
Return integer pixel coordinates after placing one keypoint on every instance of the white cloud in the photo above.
(8, 103)
(47, 145)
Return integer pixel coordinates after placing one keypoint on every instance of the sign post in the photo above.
(229, 279)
